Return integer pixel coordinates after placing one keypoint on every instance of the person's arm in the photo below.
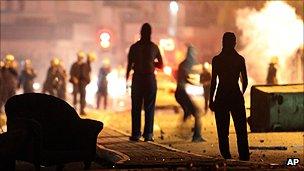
(130, 62)
(213, 85)
(244, 76)
(159, 64)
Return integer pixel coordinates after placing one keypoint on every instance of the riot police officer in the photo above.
(10, 76)
(75, 76)
(27, 77)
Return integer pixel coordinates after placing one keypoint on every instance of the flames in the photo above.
(273, 31)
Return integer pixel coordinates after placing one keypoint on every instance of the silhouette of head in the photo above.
(191, 55)
(229, 40)
(146, 31)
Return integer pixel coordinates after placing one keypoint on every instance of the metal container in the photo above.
(276, 108)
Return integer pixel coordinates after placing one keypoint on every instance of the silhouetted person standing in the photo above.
(142, 59)
(183, 98)
(272, 72)
(228, 66)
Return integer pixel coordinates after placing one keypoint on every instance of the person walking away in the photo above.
(102, 84)
(27, 77)
(183, 98)
(205, 79)
(75, 76)
(144, 56)
(227, 67)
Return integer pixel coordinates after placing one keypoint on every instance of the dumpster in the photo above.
(276, 108)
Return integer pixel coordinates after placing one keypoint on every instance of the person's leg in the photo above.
(193, 109)
(98, 96)
(75, 96)
(206, 96)
(82, 98)
(149, 105)
(137, 100)
(105, 101)
(179, 96)
(239, 118)
(222, 118)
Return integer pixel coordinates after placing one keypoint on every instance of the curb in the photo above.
(109, 155)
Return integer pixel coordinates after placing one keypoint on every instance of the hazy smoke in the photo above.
(275, 30)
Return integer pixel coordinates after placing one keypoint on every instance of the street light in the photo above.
(105, 39)
(173, 7)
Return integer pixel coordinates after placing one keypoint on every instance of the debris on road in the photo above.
(267, 148)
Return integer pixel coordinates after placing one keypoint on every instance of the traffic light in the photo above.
(105, 39)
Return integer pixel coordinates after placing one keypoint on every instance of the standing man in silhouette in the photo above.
(228, 66)
(143, 57)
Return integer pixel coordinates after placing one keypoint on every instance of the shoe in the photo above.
(133, 139)
(149, 139)
(198, 139)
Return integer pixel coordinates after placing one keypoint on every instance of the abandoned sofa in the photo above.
(57, 135)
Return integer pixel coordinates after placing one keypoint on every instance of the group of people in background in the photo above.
(56, 79)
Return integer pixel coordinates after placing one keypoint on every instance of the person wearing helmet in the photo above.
(27, 77)
(102, 84)
(205, 79)
(75, 76)
(10, 76)
(62, 77)
(85, 79)
(52, 81)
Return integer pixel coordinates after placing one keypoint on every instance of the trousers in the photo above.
(143, 93)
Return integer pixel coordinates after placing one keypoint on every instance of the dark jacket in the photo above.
(85, 72)
(27, 80)
(75, 72)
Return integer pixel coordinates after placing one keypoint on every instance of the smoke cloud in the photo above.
(273, 31)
